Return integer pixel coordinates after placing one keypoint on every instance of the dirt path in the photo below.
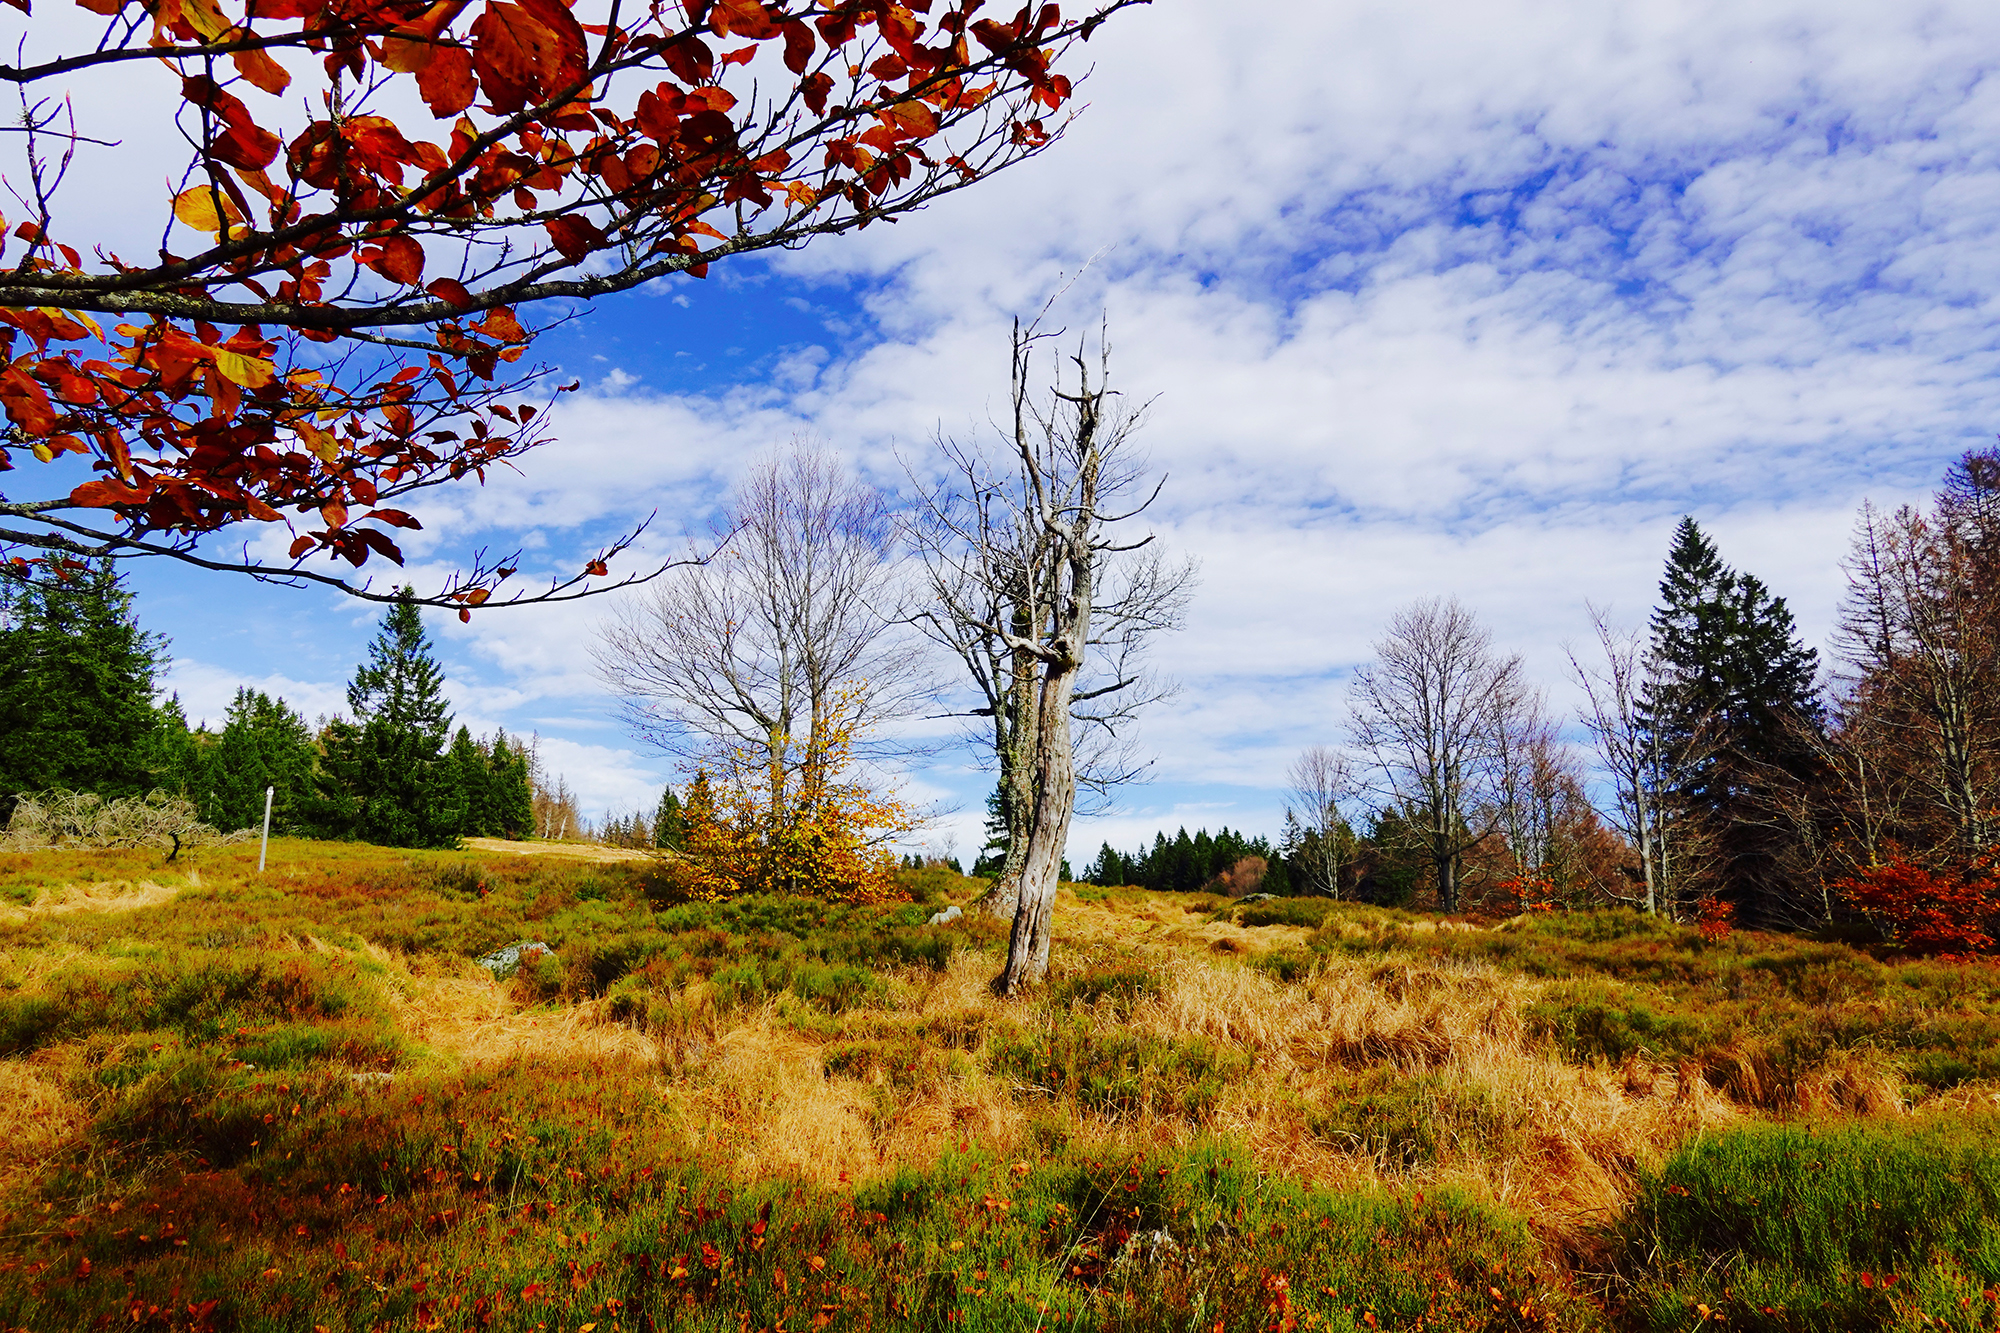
(576, 851)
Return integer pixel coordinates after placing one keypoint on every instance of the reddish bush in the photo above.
(1927, 911)
(1714, 918)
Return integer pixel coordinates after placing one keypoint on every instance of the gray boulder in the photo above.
(951, 913)
(504, 963)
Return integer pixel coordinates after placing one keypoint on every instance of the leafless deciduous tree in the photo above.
(1430, 713)
(786, 635)
(1318, 838)
(1049, 605)
(1644, 773)
(1921, 633)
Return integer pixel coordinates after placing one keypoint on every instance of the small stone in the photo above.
(951, 913)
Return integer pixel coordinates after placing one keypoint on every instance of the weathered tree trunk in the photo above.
(1028, 947)
(1018, 743)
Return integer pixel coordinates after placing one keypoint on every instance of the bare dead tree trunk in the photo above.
(1029, 578)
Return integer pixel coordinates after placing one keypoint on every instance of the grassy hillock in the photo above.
(296, 1102)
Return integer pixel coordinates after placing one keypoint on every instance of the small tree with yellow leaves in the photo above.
(819, 830)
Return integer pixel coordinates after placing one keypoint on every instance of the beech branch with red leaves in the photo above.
(356, 294)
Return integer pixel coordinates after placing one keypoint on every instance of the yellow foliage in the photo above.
(797, 820)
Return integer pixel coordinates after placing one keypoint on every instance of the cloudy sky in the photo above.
(1434, 298)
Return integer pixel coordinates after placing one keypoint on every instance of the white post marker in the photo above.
(266, 847)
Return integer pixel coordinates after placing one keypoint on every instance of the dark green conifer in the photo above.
(1734, 695)
(76, 684)
(668, 823)
(389, 760)
(263, 743)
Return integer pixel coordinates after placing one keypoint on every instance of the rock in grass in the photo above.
(948, 914)
(504, 963)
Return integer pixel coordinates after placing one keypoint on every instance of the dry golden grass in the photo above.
(36, 1118)
(106, 896)
(457, 1008)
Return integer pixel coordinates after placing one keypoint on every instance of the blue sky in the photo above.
(1435, 298)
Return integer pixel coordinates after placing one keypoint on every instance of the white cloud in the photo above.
(1435, 298)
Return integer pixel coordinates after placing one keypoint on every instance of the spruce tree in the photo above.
(389, 760)
(669, 824)
(174, 754)
(510, 789)
(263, 744)
(1734, 691)
(465, 803)
(76, 684)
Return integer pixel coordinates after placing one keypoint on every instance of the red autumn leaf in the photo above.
(402, 260)
(515, 54)
(815, 89)
(446, 83)
(451, 290)
(597, 568)
(798, 46)
(102, 494)
(501, 324)
(574, 236)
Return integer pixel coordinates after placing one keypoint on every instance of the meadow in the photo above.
(296, 1102)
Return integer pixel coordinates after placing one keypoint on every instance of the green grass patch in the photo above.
(1823, 1227)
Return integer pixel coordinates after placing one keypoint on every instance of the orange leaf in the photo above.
(103, 494)
(335, 513)
(744, 18)
(697, 225)
(196, 208)
(913, 119)
(597, 568)
(260, 69)
(402, 260)
(252, 372)
(500, 323)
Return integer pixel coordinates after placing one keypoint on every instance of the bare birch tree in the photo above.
(1645, 772)
(1430, 712)
(1049, 606)
(1318, 838)
(786, 636)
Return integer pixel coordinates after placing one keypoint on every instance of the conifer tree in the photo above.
(76, 684)
(389, 759)
(173, 755)
(669, 824)
(510, 789)
(465, 801)
(1733, 689)
(263, 743)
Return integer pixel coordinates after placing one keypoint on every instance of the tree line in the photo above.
(79, 710)
(1727, 776)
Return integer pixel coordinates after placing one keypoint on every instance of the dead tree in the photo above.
(1036, 589)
